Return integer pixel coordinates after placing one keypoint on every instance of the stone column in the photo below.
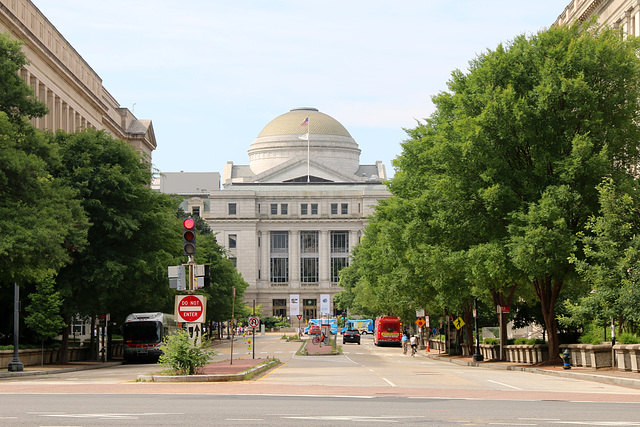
(294, 256)
(325, 257)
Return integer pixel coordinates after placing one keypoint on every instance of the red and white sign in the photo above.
(254, 322)
(299, 316)
(191, 308)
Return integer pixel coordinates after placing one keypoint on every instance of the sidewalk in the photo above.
(605, 375)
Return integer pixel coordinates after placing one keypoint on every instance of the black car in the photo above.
(351, 335)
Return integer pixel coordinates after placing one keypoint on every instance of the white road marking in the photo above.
(505, 385)
(389, 382)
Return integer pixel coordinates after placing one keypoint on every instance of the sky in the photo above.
(211, 74)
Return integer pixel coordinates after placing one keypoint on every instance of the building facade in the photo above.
(64, 81)
(624, 14)
(290, 218)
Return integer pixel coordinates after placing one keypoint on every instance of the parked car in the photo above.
(313, 330)
(351, 335)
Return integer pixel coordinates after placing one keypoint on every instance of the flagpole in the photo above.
(308, 151)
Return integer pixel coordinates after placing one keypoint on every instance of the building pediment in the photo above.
(293, 169)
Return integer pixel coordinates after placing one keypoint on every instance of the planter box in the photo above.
(590, 355)
(628, 357)
(490, 351)
(437, 345)
(38, 357)
(528, 354)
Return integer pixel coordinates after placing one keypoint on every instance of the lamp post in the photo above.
(15, 365)
(477, 357)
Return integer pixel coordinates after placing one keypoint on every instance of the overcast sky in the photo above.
(211, 74)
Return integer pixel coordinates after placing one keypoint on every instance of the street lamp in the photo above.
(477, 357)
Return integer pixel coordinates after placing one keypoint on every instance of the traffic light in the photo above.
(189, 236)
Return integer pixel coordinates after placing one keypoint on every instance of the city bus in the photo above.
(387, 330)
(333, 323)
(142, 334)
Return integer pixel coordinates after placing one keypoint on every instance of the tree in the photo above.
(527, 134)
(17, 99)
(44, 311)
(41, 221)
(133, 232)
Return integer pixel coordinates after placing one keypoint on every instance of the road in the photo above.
(366, 384)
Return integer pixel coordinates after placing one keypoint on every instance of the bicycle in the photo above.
(414, 350)
(318, 339)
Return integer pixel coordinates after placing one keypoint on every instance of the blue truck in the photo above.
(365, 326)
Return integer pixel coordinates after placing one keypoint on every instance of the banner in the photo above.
(294, 305)
(325, 304)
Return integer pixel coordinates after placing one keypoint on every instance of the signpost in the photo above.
(191, 308)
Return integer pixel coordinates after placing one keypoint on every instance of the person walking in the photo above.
(405, 342)
(414, 345)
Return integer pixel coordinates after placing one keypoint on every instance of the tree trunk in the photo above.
(547, 291)
(64, 349)
(468, 320)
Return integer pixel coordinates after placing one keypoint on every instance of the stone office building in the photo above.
(66, 83)
(290, 218)
(624, 14)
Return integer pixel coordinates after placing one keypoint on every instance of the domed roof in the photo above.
(290, 124)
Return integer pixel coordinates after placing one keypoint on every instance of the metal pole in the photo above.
(15, 365)
(233, 329)
(478, 356)
(254, 331)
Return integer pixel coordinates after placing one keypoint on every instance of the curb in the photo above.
(621, 381)
(241, 376)
(57, 371)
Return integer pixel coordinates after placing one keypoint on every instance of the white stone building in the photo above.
(623, 14)
(290, 218)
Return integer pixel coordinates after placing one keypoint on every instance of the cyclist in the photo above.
(414, 344)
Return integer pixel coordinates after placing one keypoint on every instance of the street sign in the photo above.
(420, 322)
(299, 316)
(254, 322)
(190, 308)
(458, 323)
(500, 309)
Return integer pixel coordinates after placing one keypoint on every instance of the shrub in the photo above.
(627, 338)
(591, 335)
(182, 356)
(491, 341)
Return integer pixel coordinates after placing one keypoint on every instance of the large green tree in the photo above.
(133, 234)
(528, 133)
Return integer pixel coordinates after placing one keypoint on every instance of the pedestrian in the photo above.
(414, 344)
(405, 342)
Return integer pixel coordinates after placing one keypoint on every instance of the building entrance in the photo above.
(310, 309)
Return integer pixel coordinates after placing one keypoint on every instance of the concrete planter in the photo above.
(47, 357)
(628, 357)
(590, 355)
(490, 351)
(528, 354)
(437, 345)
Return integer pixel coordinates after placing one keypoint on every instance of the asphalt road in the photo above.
(366, 384)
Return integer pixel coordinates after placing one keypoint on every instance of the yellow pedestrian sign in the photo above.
(458, 323)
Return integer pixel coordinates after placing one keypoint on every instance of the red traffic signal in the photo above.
(189, 236)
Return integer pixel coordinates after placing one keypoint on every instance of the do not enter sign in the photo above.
(190, 308)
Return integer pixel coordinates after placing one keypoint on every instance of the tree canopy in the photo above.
(493, 188)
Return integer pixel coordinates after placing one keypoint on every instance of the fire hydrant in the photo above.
(566, 358)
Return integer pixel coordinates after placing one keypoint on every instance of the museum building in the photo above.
(290, 218)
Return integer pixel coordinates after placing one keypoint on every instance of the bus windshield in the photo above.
(141, 332)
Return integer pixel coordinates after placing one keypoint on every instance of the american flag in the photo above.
(305, 122)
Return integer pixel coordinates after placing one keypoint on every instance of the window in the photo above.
(233, 238)
(339, 253)
(232, 209)
(344, 208)
(274, 209)
(309, 257)
(304, 209)
(195, 211)
(279, 256)
(314, 209)
(284, 209)
(234, 260)
(334, 209)
(279, 307)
